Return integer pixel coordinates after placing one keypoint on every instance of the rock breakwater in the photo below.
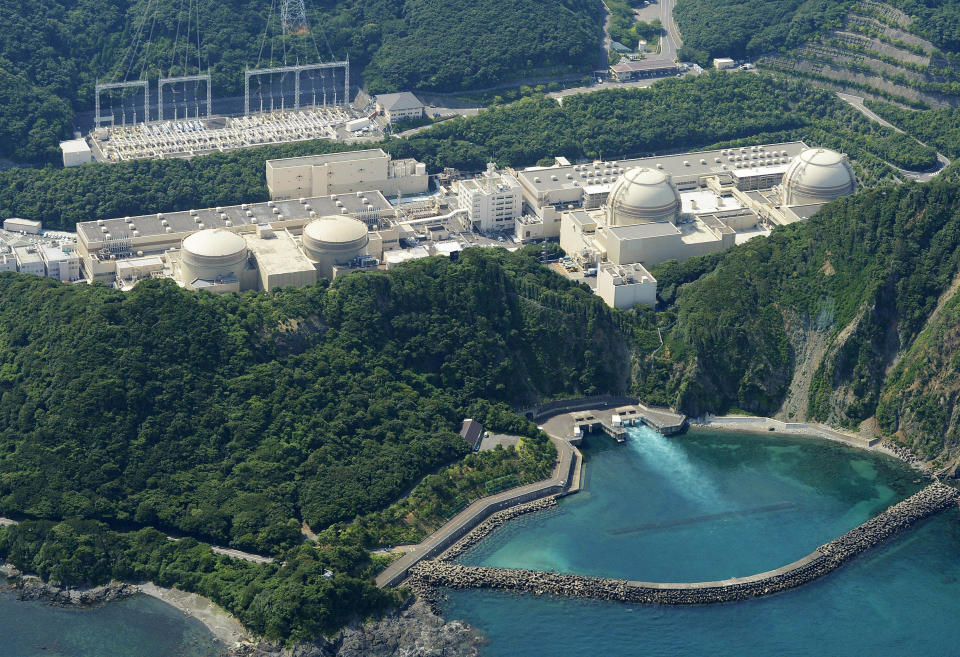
(494, 522)
(932, 499)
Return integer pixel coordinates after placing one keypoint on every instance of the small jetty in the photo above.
(662, 420)
(614, 422)
(586, 422)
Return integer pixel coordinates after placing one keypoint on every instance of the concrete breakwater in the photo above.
(495, 521)
(932, 499)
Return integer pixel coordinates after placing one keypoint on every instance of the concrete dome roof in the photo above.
(214, 243)
(334, 232)
(642, 195)
(818, 174)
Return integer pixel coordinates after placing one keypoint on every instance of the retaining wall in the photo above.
(826, 558)
(548, 410)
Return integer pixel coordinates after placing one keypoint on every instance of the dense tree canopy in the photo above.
(748, 28)
(235, 418)
(52, 51)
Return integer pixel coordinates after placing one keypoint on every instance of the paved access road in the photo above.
(919, 176)
(671, 41)
(482, 507)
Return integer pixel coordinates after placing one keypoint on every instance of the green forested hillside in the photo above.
(234, 418)
(838, 297)
(748, 28)
(672, 115)
(938, 128)
(52, 51)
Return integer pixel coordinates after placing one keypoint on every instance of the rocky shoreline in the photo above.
(415, 629)
(30, 587)
(932, 499)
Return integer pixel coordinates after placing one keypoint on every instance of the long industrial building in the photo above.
(340, 173)
(248, 246)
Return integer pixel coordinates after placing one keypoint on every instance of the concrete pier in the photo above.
(932, 499)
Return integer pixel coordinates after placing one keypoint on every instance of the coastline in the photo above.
(219, 621)
(768, 425)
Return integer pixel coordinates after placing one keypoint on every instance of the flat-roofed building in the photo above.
(18, 225)
(280, 261)
(61, 265)
(76, 152)
(8, 263)
(347, 172)
(492, 202)
(29, 260)
(625, 286)
(627, 71)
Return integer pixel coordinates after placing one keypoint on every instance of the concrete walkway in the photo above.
(467, 519)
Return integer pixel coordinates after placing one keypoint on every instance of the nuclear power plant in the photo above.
(613, 219)
(616, 218)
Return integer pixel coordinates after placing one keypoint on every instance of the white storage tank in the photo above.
(334, 240)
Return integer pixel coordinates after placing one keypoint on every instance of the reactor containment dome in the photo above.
(334, 240)
(212, 254)
(817, 175)
(641, 196)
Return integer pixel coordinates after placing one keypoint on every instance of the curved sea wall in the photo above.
(495, 521)
(932, 499)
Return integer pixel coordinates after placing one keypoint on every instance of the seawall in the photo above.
(932, 499)
(560, 483)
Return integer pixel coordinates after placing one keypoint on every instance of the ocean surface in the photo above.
(706, 506)
(139, 626)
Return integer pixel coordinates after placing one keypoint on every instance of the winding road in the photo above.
(919, 176)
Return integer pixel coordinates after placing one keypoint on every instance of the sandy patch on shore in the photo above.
(770, 425)
(224, 626)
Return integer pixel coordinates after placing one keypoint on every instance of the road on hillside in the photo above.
(671, 41)
(919, 176)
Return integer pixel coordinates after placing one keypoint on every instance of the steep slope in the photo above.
(840, 296)
(919, 401)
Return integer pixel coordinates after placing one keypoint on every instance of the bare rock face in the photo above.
(413, 632)
(32, 588)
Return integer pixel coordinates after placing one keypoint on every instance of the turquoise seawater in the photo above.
(135, 627)
(706, 506)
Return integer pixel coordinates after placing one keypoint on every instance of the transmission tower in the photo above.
(293, 17)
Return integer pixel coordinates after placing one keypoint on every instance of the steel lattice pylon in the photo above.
(293, 17)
